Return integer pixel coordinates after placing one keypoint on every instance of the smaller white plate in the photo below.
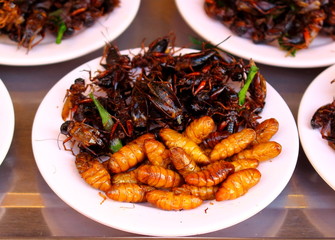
(320, 92)
(320, 53)
(106, 28)
(7, 121)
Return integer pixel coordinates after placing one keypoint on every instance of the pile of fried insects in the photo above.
(27, 22)
(168, 127)
(292, 25)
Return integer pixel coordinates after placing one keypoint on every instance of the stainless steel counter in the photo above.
(29, 208)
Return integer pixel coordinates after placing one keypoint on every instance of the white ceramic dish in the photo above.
(319, 153)
(7, 121)
(58, 169)
(107, 28)
(320, 53)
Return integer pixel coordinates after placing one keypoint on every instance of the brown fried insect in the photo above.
(237, 184)
(199, 129)
(157, 176)
(125, 177)
(92, 171)
(129, 155)
(157, 153)
(128, 192)
(241, 164)
(205, 193)
(265, 130)
(170, 201)
(213, 174)
(233, 144)
(261, 152)
(182, 162)
(172, 139)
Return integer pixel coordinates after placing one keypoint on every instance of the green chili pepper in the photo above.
(60, 33)
(243, 92)
(107, 122)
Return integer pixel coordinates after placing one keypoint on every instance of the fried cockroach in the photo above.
(125, 177)
(128, 192)
(240, 164)
(157, 153)
(85, 135)
(265, 130)
(233, 144)
(169, 201)
(261, 152)
(205, 193)
(182, 162)
(172, 139)
(199, 129)
(237, 184)
(92, 171)
(129, 155)
(157, 176)
(213, 174)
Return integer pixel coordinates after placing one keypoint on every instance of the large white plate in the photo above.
(319, 153)
(58, 169)
(320, 53)
(107, 28)
(7, 121)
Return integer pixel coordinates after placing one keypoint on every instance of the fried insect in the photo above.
(125, 177)
(233, 144)
(129, 155)
(169, 201)
(74, 96)
(172, 139)
(183, 164)
(85, 135)
(213, 174)
(324, 120)
(205, 193)
(128, 192)
(265, 130)
(158, 176)
(157, 153)
(92, 171)
(199, 129)
(241, 164)
(261, 152)
(238, 184)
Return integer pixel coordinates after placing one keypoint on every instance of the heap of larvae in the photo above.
(175, 172)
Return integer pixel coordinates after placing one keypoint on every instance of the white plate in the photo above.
(319, 153)
(7, 121)
(107, 28)
(58, 169)
(320, 53)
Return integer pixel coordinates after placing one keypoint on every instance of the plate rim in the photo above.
(9, 125)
